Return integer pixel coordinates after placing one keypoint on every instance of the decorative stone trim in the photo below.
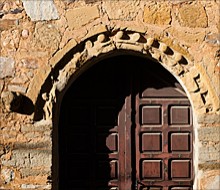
(192, 77)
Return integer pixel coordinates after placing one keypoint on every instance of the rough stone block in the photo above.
(213, 39)
(61, 53)
(211, 165)
(214, 184)
(46, 37)
(210, 180)
(18, 158)
(17, 88)
(209, 134)
(193, 15)
(209, 119)
(41, 126)
(6, 24)
(8, 175)
(41, 158)
(123, 10)
(29, 158)
(80, 16)
(38, 145)
(208, 154)
(7, 67)
(21, 79)
(188, 37)
(26, 172)
(34, 186)
(29, 63)
(37, 82)
(96, 30)
(210, 144)
(40, 9)
(157, 14)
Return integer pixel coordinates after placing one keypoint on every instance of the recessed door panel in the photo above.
(179, 115)
(151, 169)
(180, 169)
(126, 127)
(180, 142)
(151, 115)
(151, 142)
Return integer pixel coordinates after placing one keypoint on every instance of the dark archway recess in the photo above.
(125, 124)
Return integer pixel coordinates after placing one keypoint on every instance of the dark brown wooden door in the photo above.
(163, 133)
(125, 124)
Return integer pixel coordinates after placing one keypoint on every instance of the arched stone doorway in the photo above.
(49, 85)
(125, 128)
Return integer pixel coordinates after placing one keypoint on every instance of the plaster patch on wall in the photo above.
(40, 10)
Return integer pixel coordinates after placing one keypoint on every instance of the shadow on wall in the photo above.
(17, 102)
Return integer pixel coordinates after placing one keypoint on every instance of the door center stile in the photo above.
(128, 145)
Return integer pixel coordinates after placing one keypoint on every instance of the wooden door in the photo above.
(124, 125)
(164, 132)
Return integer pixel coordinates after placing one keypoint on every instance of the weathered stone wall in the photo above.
(35, 36)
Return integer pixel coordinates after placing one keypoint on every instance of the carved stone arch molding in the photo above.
(55, 77)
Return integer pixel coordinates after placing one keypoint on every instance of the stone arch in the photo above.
(51, 82)
(69, 60)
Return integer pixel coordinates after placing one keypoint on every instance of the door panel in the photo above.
(126, 129)
(151, 142)
(151, 169)
(151, 114)
(180, 142)
(179, 115)
(180, 169)
(163, 132)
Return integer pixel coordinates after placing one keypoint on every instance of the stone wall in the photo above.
(36, 36)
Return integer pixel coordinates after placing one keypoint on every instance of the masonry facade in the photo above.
(46, 45)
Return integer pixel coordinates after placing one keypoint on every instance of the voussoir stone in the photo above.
(81, 16)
